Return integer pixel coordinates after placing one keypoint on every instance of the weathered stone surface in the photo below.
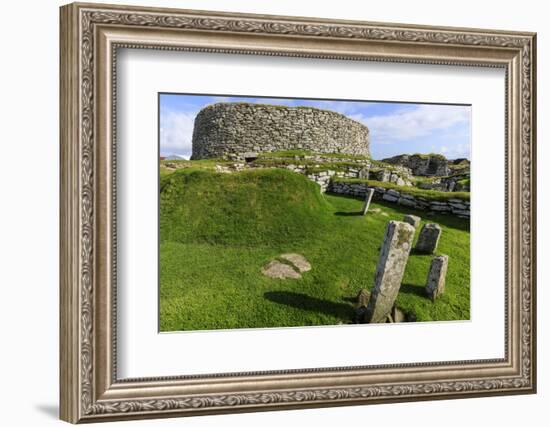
(422, 165)
(368, 198)
(363, 173)
(231, 129)
(435, 285)
(389, 270)
(278, 270)
(363, 298)
(412, 219)
(299, 261)
(382, 175)
(428, 238)
(389, 198)
(397, 315)
(440, 208)
(407, 202)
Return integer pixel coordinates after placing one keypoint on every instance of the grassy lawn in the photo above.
(218, 230)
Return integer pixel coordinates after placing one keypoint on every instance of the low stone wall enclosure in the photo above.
(330, 149)
(348, 182)
(455, 206)
(234, 129)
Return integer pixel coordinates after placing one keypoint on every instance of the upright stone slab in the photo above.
(428, 238)
(389, 271)
(412, 219)
(435, 286)
(368, 198)
(363, 173)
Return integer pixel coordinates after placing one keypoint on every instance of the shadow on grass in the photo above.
(409, 288)
(305, 302)
(351, 300)
(416, 252)
(348, 213)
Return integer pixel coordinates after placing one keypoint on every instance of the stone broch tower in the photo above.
(233, 129)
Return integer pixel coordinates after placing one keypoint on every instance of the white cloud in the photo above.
(453, 152)
(176, 132)
(408, 123)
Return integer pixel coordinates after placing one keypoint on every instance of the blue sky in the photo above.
(395, 128)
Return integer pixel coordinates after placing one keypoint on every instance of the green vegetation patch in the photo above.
(419, 180)
(248, 208)
(333, 166)
(282, 162)
(219, 230)
(429, 155)
(464, 182)
(382, 165)
(198, 164)
(305, 153)
(413, 191)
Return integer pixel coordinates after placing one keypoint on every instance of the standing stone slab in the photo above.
(368, 198)
(389, 270)
(435, 285)
(363, 173)
(412, 219)
(428, 238)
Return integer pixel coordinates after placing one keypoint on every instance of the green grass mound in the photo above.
(250, 208)
(219, 230)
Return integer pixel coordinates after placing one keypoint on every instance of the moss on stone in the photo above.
(404, 234)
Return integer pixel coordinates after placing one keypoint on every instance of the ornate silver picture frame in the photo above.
(91, 390)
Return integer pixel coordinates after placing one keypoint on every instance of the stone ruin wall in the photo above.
(422, 165)
(229, 130)
(453, 206)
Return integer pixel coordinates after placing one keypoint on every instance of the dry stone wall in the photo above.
(454, 206)
(235, 129)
